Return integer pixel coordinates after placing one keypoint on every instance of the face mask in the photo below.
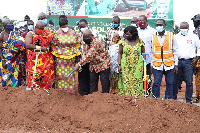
(159, 28)
(115, 25)
(129, 38)
(135, 25)
(25, 22)
(44, 21)
(10, 27)
(115, 39)
(30, 27)
(184, 31)
(65, 29)
(87, 41)
(39, 32)
(82, 29)
(141, 24)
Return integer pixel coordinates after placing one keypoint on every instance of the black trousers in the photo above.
(84, 80)
(105, 82)
(148, 67)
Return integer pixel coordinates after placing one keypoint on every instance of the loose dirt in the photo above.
(60, 112)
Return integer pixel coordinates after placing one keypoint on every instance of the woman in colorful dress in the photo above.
(67, 44)
(197, 82)
(130, 63)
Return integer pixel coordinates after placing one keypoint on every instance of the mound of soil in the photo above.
(120, 8)
(61, 112)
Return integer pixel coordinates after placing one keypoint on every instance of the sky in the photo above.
(17, 9)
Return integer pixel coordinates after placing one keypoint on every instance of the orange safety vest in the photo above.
(165, 53)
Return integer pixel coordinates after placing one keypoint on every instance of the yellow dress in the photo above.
(65, 51)
(130, 80)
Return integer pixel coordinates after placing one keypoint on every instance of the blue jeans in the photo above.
(169, 78)
(185, 70)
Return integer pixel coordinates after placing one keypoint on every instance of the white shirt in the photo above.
(175, 52)
(145, 35)
(113, 52)
(187, 46)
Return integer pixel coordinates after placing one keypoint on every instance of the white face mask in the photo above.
(184, 31)
(159, 28)
(65, 29)
(135, 25)
(82, 29)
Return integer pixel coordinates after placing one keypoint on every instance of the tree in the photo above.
(5, 17)
(176, 30)
(1, 25)
(1, 22)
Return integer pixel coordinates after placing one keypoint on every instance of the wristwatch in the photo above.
(47, 49)
(80, 68)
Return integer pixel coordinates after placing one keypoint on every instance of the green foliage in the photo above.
(1, 26)
(1, 22)
(5, 17)
(176, 30)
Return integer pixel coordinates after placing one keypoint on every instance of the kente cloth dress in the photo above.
(40, 78)
(114, 74)
(65, 51)
(12, 75)
(197, 80)
(131, 78)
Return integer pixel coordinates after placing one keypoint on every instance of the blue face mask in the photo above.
(184, 31)
(159, 28)
(44, 21)
(115, 25)
(25, 22)
(30, 27)
(129, 38)
(10, 27)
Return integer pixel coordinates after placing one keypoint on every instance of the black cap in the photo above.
(26, 17)
(196, 17)
(51, 22)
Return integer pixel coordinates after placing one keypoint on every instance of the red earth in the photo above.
(60, 112)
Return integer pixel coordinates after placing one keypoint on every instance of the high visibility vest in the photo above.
(165, 53)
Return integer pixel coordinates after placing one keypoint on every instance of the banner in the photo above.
(99, 13)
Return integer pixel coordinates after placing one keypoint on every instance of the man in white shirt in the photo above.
(187, 44)
(164, 59)
(145, 32)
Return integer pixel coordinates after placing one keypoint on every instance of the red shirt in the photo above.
(97, 54)
(24, 34)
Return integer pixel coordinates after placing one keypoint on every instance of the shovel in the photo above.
(146, 79)
(65, 78)
(34, 71)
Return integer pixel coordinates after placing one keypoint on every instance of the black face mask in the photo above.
(87, 41)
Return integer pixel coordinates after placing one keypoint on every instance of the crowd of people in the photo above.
(37, 54)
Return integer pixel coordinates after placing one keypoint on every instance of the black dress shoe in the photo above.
(190, 102)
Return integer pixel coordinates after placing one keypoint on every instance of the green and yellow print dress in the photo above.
(131, 78)
(65, 51)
